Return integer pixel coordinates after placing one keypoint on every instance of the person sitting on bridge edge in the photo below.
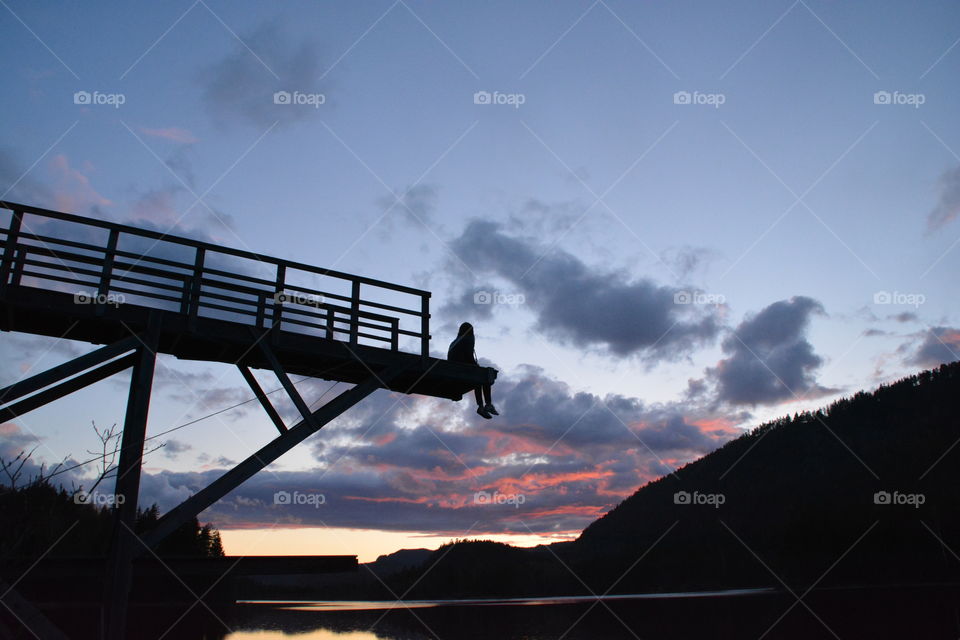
(462, 350)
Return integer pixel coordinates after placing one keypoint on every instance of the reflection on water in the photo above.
(319, 634)
(843, 613)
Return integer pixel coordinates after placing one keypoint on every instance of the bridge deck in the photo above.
(82, 279)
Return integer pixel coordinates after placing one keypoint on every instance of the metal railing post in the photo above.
(355, 312)
(425, 325)
(196, 284)
(15, 221)
(103, 289)
(277, 305)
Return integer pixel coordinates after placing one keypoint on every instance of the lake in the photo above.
(931, 611)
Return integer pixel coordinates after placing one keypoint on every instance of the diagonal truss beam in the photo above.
(192, 506)
(284, 380)
(262, 397)
(67, 369)
(12, 411)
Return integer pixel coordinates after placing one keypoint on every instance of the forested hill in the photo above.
(871, 482)
(865, 491)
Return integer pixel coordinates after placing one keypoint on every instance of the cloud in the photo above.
(588, 307)
(769, 359)
(940, 345)
(686, 261)
(241, 86)
(16, 183)
(173, 448)
(72, 188)
(903, 316)
(416, 205)
(409, 463)
(948, 205)
(174, 134)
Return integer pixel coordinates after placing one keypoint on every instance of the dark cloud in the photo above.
(904, 316)
(241, 86)
(173, 448)
(588, 307)
(468, 304)
(940, 345)
(948, 205)
(769, 359)
(415, 205)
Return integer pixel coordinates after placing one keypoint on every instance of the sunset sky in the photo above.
(689, 217)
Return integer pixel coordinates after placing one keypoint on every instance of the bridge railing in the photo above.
(105, 263)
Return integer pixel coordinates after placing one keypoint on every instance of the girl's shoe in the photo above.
(492, 410)
(483, 412)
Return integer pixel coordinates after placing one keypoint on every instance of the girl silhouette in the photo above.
(462, 350)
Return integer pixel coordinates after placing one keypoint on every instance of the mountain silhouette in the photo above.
(862, 492)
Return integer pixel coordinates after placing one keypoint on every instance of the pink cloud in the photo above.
(72, 188)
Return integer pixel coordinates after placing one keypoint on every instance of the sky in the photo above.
(669, 222)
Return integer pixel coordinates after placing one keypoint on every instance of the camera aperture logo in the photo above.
(897, 297)
(696, 498)
(299, 98)
(899, 499)
(498, 297)
(96, 98)
(82, 297)
(897, 98)
(294, 297)
(710, 99)
(485, 497)
(287, 498)
(698, 297)
(512, 99)
(98, 499)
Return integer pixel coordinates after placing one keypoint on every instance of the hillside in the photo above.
(856, 493)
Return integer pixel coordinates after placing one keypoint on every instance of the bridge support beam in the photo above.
(195, 504)
(124, 540)
(58, 374)
(262, 397)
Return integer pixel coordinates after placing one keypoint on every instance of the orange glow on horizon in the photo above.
(366, 544)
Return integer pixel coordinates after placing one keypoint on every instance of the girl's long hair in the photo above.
(465, 328)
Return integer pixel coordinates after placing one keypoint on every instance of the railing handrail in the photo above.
(209, 246)
(195, 276)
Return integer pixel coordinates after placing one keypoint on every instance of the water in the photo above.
(931, 611)
(746, 613)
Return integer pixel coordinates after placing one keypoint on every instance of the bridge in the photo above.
(139, 292)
